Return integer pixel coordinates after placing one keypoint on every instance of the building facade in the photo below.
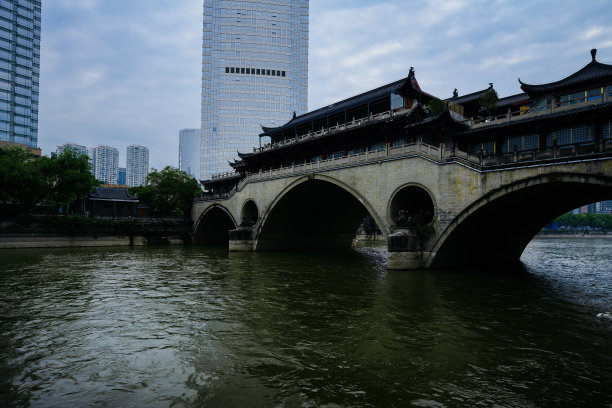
(189, 151)
(105, 161)
(254, 73)
(137, 165)
(121, 180)
(20, 22)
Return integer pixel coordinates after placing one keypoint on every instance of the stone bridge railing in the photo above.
(439, 155)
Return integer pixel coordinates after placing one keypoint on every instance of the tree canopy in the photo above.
(436, 106)
(26, 180)
(489, 100)
(169, 192)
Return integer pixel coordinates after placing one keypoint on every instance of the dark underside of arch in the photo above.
(497, 233)
(214, 228)
(314, 215)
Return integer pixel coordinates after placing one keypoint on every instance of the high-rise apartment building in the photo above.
(137, 165)
(254, 73)
(19, 71)
(105, 161)
(77, 148)
(189, 151)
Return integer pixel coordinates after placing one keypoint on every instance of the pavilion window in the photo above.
(357, 150)
(593, 94)
(487, 147)
(376, 147)
(606, 131)
(400, 141)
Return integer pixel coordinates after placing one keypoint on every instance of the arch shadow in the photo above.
(496, 229)
(213, 226)
(314, 212)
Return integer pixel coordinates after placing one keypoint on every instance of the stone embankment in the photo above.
(58, 232)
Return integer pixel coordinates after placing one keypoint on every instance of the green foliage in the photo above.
(595, 221)
(489, 100)
(169, 192)
(436, 106)
(26, 180)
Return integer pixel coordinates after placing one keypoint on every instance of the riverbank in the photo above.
(76, 231)
(553, 235)
(32, 240)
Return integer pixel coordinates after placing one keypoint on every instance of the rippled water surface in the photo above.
(195, 327)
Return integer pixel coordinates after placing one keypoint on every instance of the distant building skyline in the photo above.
(189, 151)
(254, 73)
(137, 165)
(20, 22)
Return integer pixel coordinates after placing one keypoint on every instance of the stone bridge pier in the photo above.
(434, 214)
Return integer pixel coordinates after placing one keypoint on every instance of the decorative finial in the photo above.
(490, 84)
(593, 53)
(455, 93)
(294, 115)
(411, 72)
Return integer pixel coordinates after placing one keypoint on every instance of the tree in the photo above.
(26, 180)
(169, 192)
(489, 100)
(436, 106)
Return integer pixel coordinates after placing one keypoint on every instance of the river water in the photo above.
(201, 327)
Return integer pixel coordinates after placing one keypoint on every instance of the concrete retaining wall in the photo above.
(14, 241)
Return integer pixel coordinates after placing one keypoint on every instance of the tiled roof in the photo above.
(354, 101)
(591, 74)
(108, 193)
(474, 96)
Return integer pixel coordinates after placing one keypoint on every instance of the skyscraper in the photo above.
(189, 151)
(254, 72)
(19, 71)
(137, 165)
(105, 164)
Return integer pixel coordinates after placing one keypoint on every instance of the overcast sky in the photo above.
(122, 72)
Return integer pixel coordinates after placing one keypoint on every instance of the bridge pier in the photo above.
(404, 250)
(242, 239)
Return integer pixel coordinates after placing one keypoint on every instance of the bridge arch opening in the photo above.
(495, 230)
(213, 227)
(314, 214)
(409, 203)
(249, 214)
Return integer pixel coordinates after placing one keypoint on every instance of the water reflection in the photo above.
(201, 327)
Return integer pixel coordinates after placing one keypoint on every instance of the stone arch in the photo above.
(414, 199)
(315, 193)
(213, 226)
(249, 215)
(496, 228)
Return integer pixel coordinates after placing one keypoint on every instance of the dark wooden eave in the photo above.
(407, 87)
(592, 75)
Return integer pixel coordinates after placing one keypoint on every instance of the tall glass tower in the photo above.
(254, 73)
(189, 151)
(19, 71)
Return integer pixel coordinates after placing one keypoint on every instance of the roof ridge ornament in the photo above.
(593, 53)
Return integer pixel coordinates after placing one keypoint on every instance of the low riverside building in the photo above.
(111, 202)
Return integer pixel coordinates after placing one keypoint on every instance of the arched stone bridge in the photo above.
(437, 207)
